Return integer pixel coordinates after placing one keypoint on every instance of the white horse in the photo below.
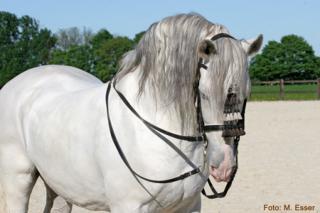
(54, 123)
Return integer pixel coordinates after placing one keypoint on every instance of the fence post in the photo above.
(281, 84)
(318, 88)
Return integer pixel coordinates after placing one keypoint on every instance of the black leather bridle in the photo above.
(233, 128)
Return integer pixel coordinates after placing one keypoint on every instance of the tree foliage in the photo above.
(101, 37)
(23, 45)
(109, 55)
(138, 36)
(100, 56)
(292, 58)
(79, 56)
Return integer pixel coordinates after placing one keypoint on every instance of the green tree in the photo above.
(138, 36)
(291, 58)
(34, 43)
(101, 37)
(79, 56)
(318, 65)
(96, 43)
(109, 55)
(23, 45)
(9, 35)
(74, 49)
(100, 57)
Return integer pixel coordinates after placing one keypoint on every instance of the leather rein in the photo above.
(227, 128)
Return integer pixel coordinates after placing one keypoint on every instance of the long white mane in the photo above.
(168, 58)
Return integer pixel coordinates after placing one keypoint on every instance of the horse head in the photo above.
(224, 87)
(168, 57)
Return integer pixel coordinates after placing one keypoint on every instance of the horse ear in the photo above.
(252, 46)
(206, 48)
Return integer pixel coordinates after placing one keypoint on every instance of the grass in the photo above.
(291, 92)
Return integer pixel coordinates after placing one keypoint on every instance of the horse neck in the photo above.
(147, 105)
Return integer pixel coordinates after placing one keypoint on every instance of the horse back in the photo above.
(36, 85)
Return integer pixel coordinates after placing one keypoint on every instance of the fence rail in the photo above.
(286, 82)
(285, 87)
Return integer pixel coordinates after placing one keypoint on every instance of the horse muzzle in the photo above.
(224, 175)
(225, 170)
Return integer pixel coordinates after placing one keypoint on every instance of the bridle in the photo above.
(230, 128)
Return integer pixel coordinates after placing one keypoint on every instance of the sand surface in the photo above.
(279, 162)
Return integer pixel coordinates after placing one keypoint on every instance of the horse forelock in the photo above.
(167, 56)
(230, 67)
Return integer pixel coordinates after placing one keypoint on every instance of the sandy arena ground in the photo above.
(279, 162)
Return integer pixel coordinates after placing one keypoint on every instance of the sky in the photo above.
(244, 18)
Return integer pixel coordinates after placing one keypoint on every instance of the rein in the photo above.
(233, 128)
(151, 127)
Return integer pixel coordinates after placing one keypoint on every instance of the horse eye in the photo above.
(203, 96)
(208, 50)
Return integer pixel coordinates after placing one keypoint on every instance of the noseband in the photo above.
(233, 126)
